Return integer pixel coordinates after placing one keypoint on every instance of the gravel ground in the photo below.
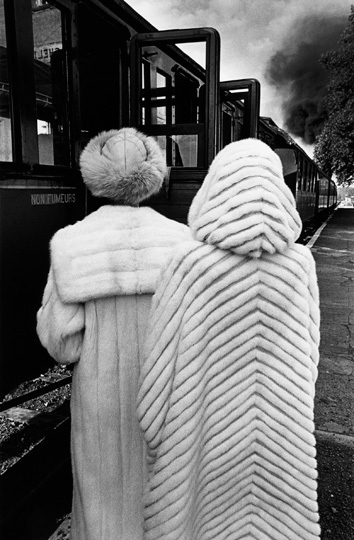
(24, 426)
(63, 531)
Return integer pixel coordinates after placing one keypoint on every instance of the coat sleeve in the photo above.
(60, 325)
(161, 353)
(314, 311)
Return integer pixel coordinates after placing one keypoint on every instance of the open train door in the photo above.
(176, 100)
(239, 110)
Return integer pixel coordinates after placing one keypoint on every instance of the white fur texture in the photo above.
(94, 313)
(226, 402)
(244, 204)
(123, 166)
(116, 250)
(226, 397)
(60, 326)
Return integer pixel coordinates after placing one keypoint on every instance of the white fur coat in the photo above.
(94, 312)
(117, 250)
(226, 396)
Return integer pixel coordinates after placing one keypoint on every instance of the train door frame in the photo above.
(183, 179)
(248, 90)
(108, 55)
(208, 134)
(102, 83)
(19, 40)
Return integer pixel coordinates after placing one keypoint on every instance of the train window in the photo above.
(228, 123)
(186, 97)
(169, 97)
(5, 120)
(304, 177)
(157, 108)
(232, 127)
(185, 110)
(173, 98)
(103, 65)
(240, 101)
(309, 177)
(288, 160)
(162, 108)
(50, 84)
(300, 172)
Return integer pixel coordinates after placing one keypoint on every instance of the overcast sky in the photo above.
(277, 42)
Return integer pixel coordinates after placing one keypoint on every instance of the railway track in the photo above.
(35, 484)
(28, 396)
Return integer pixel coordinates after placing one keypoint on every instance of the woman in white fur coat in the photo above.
(227, 388)
(94, 313)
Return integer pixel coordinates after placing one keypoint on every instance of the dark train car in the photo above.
(40, 191)
(315, 192)
(64, 77)
(190, 113)
(73, 68)
(175, 100)
(70, 69)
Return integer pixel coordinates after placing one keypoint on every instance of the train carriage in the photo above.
(73, 68)
(314, 191)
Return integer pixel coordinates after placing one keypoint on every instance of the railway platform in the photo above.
(333, 250)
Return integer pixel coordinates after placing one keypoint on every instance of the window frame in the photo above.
(22, 84)
(248, 90)
(206, 131)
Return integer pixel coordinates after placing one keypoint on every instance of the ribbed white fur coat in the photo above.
(226, 395)
(95, 309)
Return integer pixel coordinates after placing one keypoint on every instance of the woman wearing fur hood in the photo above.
(227, 388)
(94, 312)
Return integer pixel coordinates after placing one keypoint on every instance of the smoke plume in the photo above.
(278, 42)
(299, 78)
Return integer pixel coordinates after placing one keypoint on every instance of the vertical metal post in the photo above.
(135, 81)
(252, 100)
(73, 88)
(19, 36)
(212, 101)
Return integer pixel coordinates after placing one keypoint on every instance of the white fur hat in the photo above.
(123, 165)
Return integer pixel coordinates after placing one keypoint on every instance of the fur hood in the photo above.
(124, 166)
(244, 204)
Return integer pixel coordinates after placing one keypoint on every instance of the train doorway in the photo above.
(176, 101)
(103, 73)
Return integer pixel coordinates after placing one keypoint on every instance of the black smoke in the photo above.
(298, 75)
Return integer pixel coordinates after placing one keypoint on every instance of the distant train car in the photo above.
(314, 191)
(73, 68)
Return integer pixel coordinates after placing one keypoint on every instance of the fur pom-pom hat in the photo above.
(124, 166)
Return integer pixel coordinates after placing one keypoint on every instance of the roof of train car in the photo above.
(137, 24)
(140, 25)
(284, 140)
(282, 136)
(127, 13)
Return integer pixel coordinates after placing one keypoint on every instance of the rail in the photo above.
(5, 405)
